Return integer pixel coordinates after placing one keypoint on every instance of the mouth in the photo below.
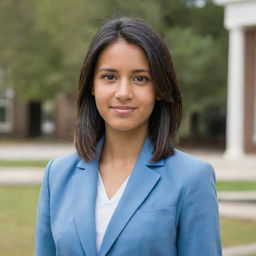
(123, 109)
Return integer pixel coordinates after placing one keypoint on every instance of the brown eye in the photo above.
(141, 79)
(108, 77)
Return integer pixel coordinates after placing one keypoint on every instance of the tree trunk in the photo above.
(194, 126)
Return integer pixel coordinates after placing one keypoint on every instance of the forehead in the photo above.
(123, 54)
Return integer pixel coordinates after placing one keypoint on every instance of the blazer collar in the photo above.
(146, 151)
(84, 189)
(141, 182)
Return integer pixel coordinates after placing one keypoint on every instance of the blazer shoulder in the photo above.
(66, 160)
(188, 165)
(183, 156)
(62, 167)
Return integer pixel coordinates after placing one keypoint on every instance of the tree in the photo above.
(198, 43)
(43, 44)
(29, 54)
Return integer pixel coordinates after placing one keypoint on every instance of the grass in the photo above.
(237, 231)
(236, 185)
(17, 217)
(44, 140)
(23, 163)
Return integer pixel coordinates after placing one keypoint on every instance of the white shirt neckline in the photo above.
(105, 208)
(103, 193)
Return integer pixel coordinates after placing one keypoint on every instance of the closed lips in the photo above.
(123, 109)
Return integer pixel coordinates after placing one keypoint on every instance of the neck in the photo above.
(122, 146)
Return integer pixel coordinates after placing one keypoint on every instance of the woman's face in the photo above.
(123, 87)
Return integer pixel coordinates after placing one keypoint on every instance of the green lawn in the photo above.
(236, 185)
(17, 217)
(23, 163)
(236, 231)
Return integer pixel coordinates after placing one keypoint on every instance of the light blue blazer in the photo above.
(169, 208)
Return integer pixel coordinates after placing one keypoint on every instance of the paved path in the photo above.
(226, 168)
(242, 168)
(20, 176)
(241, 250)
(33, 151)
(241, 205)
(238, 210)
(234, 197)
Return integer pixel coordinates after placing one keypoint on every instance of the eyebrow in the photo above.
(133, 71)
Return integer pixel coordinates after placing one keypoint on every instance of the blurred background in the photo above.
(42, 47)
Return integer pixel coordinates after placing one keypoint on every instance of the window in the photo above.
(2, 114)
(6, 112)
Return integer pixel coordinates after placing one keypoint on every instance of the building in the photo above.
(6, 111)
(21, 119)
(240, 21)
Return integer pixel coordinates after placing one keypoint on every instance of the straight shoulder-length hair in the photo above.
(166, 115)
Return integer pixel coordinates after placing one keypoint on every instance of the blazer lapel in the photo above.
(141, 183)
(84, 196)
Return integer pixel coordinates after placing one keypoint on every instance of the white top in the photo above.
(105, 208)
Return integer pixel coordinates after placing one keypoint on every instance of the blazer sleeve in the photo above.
(199, 228)
(44, 239)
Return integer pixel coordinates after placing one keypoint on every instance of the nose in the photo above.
(123, 90)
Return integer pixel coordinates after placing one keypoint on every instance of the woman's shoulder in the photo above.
(185, 157)
(63, 166)
(186, 165)
(65, 161)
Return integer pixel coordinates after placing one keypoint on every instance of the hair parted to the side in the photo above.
(166, 116)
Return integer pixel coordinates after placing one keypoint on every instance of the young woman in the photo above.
(127, 191)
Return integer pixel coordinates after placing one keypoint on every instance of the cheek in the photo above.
(99, 94)
(98, 102)
(149, 98)
(100, 105)
(147, 109)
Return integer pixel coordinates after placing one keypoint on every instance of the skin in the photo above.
(125, 96)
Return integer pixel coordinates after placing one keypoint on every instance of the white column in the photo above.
(235, 101)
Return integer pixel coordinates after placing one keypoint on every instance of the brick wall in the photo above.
(250, 90)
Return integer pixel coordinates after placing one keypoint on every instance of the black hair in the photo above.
(166, 116)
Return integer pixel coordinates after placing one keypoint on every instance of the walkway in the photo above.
(243, 168)
(241, 250)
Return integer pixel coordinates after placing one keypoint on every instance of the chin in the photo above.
(127, 127)
(123, 129)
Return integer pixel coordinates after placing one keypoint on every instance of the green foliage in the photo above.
(29, 54)
(199, 67)
(43, 44)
